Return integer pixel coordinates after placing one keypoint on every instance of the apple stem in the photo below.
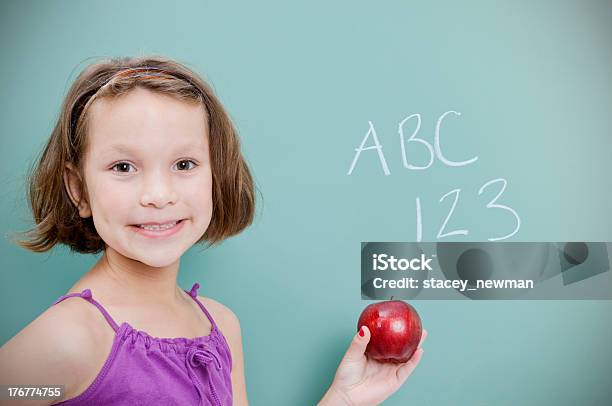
(391, 297)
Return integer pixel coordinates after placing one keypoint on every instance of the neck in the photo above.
(133, 279)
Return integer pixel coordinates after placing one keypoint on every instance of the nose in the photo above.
(158, 190)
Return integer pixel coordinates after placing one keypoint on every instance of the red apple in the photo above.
(396, 329)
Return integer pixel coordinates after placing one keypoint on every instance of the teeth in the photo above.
(158, 227)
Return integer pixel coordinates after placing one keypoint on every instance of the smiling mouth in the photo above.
(158, 227)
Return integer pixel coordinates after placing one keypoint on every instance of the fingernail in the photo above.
(361, 333)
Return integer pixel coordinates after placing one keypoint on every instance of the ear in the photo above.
(74, 187)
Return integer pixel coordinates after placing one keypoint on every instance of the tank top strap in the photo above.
(194, 295)
(86, 294)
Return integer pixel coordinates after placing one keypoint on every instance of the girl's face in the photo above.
(147, 161)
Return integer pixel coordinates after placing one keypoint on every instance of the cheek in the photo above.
(203, 194)
(198, 197)
(110, 202)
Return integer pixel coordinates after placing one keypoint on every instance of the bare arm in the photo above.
(49, 351)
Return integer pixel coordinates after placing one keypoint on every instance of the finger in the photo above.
(358, 344)
(406, 369)
(423, 337)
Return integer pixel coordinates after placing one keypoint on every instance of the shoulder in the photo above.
(225, 318)
(62, 344)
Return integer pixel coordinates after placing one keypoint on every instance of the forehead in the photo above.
(146, 120)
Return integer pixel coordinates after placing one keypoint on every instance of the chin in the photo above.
(161, 263)
(155, 259)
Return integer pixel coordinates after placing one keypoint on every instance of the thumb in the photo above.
(358, 345)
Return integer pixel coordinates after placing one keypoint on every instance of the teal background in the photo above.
(533, 83)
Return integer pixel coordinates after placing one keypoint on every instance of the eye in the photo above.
(187, 161)
(122, 165)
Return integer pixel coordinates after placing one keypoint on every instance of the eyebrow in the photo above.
(127, 149)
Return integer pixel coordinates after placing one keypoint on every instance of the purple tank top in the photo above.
(146, 370)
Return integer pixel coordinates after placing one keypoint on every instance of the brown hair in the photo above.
(56, 217)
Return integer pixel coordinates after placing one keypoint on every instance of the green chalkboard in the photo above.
(493, 120)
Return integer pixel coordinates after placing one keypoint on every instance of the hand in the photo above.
(361, 381)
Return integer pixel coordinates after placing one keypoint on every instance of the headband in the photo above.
(143, 72)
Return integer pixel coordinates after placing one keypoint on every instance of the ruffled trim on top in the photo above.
(179, 345)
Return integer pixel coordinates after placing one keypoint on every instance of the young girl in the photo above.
(143, 163)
